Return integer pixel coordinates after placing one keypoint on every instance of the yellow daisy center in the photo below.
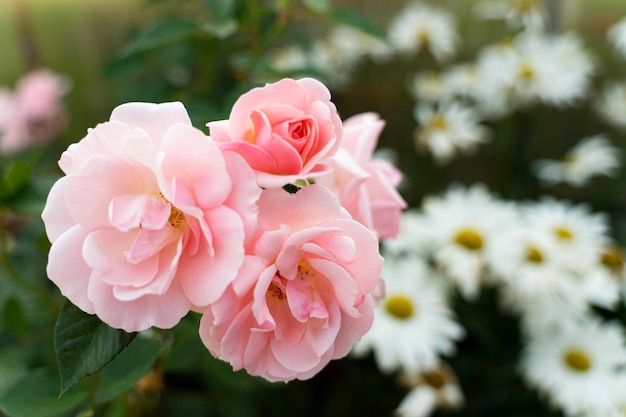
(469, 238)
(612, 259)
(526, 72)
(399, 306)
(563, 233)
(435, 379)
(424, 38)
(533, 254)
(437, 122)
(577, 360)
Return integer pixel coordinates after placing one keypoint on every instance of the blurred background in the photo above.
(116, 51)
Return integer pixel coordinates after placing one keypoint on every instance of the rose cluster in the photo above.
(154, 219)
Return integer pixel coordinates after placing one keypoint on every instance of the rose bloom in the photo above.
(150, 219)
(284, 130)
(305, 293)
(365, 185)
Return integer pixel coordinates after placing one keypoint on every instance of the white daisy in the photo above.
(435, 388)
(419, 27)
(289, 58)
(528, 14)
(329, 59)
(430, 86)
(412, 238)
(356, 44)
(553, 69)
(526, 264)
(594, 155)
(463, 226)
(617, 36)
(413, 325)
(578, 364)
(578, 233)
(448, 129)
(471, 81)
(611, 103)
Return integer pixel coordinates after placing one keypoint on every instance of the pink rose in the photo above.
(284, 130)
(365, 185)
(13, 134)
(150, 219)
(305, 293)
(36, 114)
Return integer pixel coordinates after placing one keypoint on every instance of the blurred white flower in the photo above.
(616, 34)
(579, 364)
(555, 69)
(289, 58)
(356, 44)
(414, 324)
(472, 82)
(435, 388)
(527, 266)
(412, 238)
(611, 103)
(592, 156)
(330, 60)
(431, 86)
(463, 226)
(419, 27)
(527, 14)
(448, 129)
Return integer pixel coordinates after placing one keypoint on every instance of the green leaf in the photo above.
(356, 20)
(36, 394)
(84, 344)
(127, 368)
(220, 9)
(317, 6)
(163, 33)
(14, 179)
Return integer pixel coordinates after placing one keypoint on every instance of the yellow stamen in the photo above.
(577, 360)
(526, 72)
(533, 254)
(563, 233)
(437, 122)
(612, 259)
(435, 379)
(399, 306)
(469, 238)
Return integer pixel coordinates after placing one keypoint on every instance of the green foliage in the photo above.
(163, 33)
(84, 344)
(36, 394)
(357, 20)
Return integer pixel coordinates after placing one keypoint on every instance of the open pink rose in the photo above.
(150, 219)
(284, 130)
(365, 185)
(305, 293)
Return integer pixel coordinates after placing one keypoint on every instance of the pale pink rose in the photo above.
(284, 130)
(366, 185)
(150, 220)
(36, 114)
(13, 134)
(305, 293)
